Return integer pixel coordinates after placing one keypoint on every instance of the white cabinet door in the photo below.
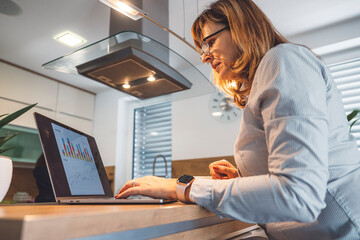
(82, 125)
(23, 86)
(72, 101)
(19, 87)
(27, 119)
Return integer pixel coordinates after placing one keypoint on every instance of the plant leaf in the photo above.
(15, 115)
(353, 123)
(4, 115)
(352, 114)
(2, 150)
(6, 138)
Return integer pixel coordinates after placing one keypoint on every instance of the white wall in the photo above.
(106, 122)
(196, 134)
(124, 140)
(113, 132)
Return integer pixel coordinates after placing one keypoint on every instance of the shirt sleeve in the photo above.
(289, 96)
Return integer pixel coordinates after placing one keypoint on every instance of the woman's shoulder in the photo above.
(288, 55)
(290, 60)
(289, 50)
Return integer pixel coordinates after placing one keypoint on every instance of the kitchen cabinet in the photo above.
(75, 102)
(23, 86)
(81, 124)
(20, 87)
(27, 119)
(56, 100)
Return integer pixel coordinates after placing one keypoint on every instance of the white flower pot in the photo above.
(6, 169)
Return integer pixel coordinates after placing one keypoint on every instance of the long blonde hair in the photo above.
(252, 34)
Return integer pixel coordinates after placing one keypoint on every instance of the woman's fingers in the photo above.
(127, 185)
(149, 186)
(215, 174)
(230, 172)
(225, 163)
(222, 170)
(128, 192)
(221, 163)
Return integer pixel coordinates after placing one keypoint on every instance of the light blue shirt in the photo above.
(299, 165)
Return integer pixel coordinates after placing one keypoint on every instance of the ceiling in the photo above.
(27, 28)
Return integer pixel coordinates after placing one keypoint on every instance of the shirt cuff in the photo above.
(201, 191)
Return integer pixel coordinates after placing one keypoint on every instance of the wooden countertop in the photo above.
(41, 221)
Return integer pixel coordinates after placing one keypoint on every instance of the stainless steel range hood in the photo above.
(130, 57)
(133, 67)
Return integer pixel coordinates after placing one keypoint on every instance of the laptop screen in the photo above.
(73, 160)
(78, 161)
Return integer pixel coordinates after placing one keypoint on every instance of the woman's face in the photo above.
(222, 50)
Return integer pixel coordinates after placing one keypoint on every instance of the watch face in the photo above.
(185, 179)
(223, 108)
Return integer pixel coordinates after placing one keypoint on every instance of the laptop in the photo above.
(75, 167)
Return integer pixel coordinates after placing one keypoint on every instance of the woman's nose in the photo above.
(206, 58)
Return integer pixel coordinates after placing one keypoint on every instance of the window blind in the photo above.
(347, 77)
(152, 136)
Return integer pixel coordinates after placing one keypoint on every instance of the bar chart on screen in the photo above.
(78, 152)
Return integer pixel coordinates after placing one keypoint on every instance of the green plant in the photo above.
(6, 120)
(352, 115)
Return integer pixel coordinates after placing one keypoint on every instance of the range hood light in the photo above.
(151, 78)
(126, 85)
(125, 8)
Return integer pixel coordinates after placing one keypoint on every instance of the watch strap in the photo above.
(181, 190)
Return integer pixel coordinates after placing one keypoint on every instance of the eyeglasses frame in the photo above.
(203, 42)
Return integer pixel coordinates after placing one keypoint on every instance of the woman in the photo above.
(298, 168)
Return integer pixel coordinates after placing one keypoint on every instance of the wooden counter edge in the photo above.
(63, 222)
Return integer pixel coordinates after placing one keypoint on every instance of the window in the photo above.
(347, 77)
(152, 136)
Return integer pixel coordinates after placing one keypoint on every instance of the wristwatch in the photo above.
(183, 183)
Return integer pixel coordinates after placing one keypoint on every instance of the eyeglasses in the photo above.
(205, 48)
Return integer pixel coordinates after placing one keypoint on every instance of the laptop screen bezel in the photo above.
(54, 162)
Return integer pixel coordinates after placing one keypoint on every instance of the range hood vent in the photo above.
(133, 66)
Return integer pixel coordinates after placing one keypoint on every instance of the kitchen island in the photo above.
(168, 221)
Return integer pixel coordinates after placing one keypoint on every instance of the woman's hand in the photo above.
(150, 186)
(223, 170)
